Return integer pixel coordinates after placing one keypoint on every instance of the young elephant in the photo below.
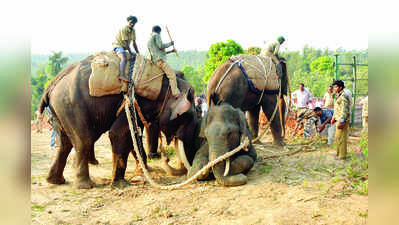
(224, 127)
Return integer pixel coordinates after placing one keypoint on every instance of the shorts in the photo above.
(119, 50)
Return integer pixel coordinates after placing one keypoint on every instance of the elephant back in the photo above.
(260, 71)
(104, 77)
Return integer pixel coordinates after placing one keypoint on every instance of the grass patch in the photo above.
(38, 208)
(266, 169)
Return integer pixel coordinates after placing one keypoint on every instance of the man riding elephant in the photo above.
(122, 45)
(272, 49)
(158, 56)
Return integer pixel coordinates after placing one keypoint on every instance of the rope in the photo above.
(274, 113)
(225, 74)
(243, 145)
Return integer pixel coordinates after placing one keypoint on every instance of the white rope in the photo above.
(243, 145)
(227, 71)
(274, 113)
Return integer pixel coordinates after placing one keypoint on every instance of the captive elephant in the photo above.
(83, 119)
(235, 90)
(223, 128)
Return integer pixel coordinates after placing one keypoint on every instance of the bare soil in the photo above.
(295, 189)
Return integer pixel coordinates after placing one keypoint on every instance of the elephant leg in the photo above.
(92, 157)
(153, 133)
(57, 169)
(253, 120)
(81, 163)
(268, 106)
(241, 164)
(200, 160)
(282, 109)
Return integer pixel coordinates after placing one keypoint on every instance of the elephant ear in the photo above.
(181, 106)
(207, 119)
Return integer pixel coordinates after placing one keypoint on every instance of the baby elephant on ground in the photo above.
(224, 127)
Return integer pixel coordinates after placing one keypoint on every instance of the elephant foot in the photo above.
(55, 180)
(279, 143)
(120, 183)
(153, 155)
(258, 142)
(93, 161)
(84, 183)
(139, 170)
(231, 181)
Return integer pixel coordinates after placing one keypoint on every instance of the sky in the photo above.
(91, 26)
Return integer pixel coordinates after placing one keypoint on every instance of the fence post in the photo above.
(354, 90)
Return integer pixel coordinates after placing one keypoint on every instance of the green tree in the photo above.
(253, 51)
(56, 62)
(194, 77)
(219, 53)
(44, 74)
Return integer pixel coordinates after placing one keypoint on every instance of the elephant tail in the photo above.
(44, 101)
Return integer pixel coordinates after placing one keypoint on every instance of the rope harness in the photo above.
(266, 75)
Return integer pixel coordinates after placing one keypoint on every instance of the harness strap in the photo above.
(226, 73)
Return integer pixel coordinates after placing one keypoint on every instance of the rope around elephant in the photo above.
(243, 145)
(274, 113)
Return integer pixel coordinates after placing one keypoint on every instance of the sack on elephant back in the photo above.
(147, 78)
(104, 79)
(104, 74)
(261, 71)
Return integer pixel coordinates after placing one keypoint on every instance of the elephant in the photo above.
(223, 128)
(83, 119)
(235, 90)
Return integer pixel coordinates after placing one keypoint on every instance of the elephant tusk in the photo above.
(182, 155)
(227, 168)
(246, 140)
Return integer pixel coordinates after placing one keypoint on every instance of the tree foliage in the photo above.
(218, 53)
(44, 74)
(253, 51)
(194, 77)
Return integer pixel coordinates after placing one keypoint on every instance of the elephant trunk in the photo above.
(216, 150)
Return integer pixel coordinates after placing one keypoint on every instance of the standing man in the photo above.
(158, 56)
(301, 98)
(38, 122)
(328, 99)
(365, 111)
(54, 130)
(341, 117)
(122, 45)
(272, 49)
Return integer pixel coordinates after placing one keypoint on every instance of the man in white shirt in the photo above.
(302, 98)
(204, 108)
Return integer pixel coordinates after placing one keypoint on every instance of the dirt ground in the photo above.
(296, 189)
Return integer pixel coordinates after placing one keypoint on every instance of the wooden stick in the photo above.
(170, 37)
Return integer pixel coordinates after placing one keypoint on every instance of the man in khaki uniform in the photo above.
(342, 117)
(121, 45)
(158, 56)
(272, 49)
(365, 112)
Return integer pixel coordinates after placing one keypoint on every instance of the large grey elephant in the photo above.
(223, 128)
(84, 118)
(235, 90)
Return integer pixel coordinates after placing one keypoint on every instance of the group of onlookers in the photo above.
(333, 115)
